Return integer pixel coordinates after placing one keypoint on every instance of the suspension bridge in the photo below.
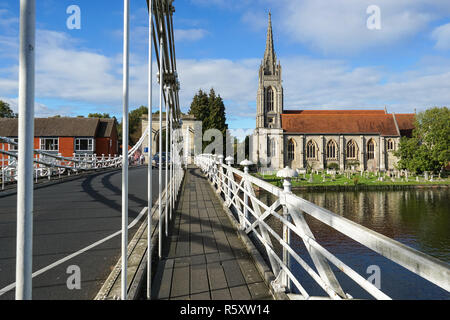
(187, 231)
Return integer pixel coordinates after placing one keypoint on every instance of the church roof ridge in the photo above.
(336, 111)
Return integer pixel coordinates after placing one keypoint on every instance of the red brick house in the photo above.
(67, 136)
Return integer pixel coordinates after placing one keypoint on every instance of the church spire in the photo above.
(270, 58)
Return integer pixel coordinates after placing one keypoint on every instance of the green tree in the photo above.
(99, 115)
(6, 111)
(429, 147)
(200, 107)
(210, 109)
(135, 125)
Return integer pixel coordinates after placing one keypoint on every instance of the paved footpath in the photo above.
(204, 258)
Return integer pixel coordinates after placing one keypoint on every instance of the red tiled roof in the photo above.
(340, 121)
(53, 127)
(405, 121)
(321, 112)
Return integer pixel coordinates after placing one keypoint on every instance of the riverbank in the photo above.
(355, 182)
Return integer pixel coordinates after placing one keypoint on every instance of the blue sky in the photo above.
(330, 58)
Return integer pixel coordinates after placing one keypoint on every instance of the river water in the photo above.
(418, 218)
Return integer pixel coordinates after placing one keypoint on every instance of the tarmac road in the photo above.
(68, 217)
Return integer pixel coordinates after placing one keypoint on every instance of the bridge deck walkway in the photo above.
(203, 257)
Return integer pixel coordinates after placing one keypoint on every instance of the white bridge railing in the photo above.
(48, 165)
(236, 188)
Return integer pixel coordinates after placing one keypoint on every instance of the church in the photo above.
(320, 139)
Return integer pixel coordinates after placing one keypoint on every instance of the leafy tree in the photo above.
(210, 109)
(6, 111)
(429, 147)
(99, 115)
(135, 125)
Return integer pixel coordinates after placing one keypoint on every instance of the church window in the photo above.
(311, 150)
(371, 150)
(390, 145)
(352, 150)
(270, 99)
(291, 150)
(331, 149)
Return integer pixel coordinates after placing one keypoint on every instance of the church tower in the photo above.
(268, 141)
(269, 101)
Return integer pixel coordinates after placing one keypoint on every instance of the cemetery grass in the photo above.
(355, 181)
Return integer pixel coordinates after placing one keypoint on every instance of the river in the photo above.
(418, 218)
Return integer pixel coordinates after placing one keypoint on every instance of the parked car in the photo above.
(155, 160)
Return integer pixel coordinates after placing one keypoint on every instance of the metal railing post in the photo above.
(246, 163)
(287, 174)
(24, 245)
(229, 161)
(126, 35)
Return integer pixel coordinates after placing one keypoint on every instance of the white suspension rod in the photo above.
(150, 154)
(126, 35)
(24, 245)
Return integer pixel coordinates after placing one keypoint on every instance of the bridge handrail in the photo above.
(80, 162)
(223, 178)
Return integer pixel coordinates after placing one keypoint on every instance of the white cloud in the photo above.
(334, 84)
(66, 72)
(235, 81)
(333, 26)
(227, 4)
(41, 110)
(190, 34)
(442, 37)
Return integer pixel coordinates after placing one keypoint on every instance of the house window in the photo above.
(50, 144)
(291, 150)
(370, 150)
(84, 144)
(269, 99)
(13, 147)
(390, 145)
(311, 150)
(352, 150)
(331, 150)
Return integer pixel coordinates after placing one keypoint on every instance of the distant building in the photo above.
(362, 139)
(66, 136)
(188, 127)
